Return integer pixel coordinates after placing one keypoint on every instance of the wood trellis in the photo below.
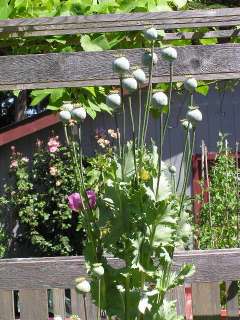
(33, 277)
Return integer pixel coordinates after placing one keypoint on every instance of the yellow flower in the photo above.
(144, 175)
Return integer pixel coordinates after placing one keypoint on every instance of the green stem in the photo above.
(118, 135)
(169, 102)
(139, 114)
(133, 137)
(124, 128)
(188, 171)
(126, 298)
(183, 157)
(147, 107)
(160, 154)
(85, 306)
(99, 300)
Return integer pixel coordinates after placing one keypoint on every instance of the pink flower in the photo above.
(75, 201)
(14, 164)
(53, 144)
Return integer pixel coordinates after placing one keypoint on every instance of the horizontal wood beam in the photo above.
(23, 129)
(95, 68)
(60, 272)
(119, 22)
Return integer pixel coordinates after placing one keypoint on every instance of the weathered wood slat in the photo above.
(120, 22)
(6, 305)
(76, 303)
(178, 294)
(232, 300)
(95, 68)
(60, 272)
(33, 304)
(59, 302)
(206, 301)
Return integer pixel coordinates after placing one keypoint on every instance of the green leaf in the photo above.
(98, 44)
(180, 3)
(208, 42)
(5, 9)
(38, 98)
(203, 89)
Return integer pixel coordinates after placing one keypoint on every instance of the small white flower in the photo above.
(151, 34)
(121, 65)
(169, 54)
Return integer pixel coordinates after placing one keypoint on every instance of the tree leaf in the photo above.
(5, 9)
(98, 44)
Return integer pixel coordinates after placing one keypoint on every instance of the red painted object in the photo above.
(27, 127)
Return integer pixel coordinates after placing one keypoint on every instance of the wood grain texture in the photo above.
(95, 68)
(232, 299)
(76, 303)
(6, 305)
(178, 294)
(59, 302)
(33, 304)
(206, 301)
(43, 272)
(119, 22)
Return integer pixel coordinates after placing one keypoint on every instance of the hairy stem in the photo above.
(160, 154)
(183, 156)
(133, 137)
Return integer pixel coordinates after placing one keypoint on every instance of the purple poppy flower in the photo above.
(75, 202)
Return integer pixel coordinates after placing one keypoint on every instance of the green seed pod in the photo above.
(130, 84)
(159, 99)
(65, 116)
(82, 285)
(98, 269)
(190, 84)
(79, 114)
(113, 100)
(194, 115)
(121, 65)
(169, 54)
(151, 34)
(139, 75)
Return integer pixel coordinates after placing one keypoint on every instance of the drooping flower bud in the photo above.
(169, 54)
(79, 114)
(121, 65)
(65, 116)
(151, 34)
(113, 100)
(186, 124)
(98, 269)
(130, 84)
(139, 75)
(159, 99)
(194, 115)
(82, 285)
(190, 84)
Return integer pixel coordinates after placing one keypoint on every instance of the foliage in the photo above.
(91, 98)
(128, 204)
(219, 216)
(36, 195)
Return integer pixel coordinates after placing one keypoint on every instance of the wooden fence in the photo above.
(33, 278)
